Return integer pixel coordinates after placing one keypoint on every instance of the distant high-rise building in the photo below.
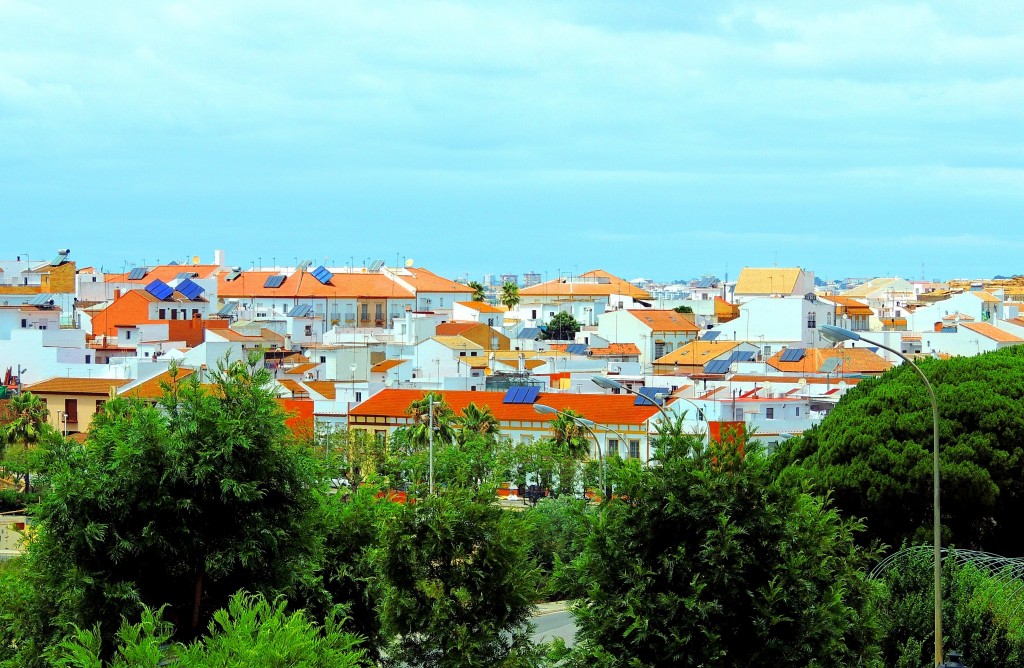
(530, 278)
(510, 278)
(488, 280)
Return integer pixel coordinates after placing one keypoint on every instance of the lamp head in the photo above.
(606, 382)
(545, 410)
(837, 334)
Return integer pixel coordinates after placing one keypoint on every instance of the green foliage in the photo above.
(982, 615)
(874, 453)
(561, 327)
(455, 585)
(27, 428)
(250, 631)
(683, 309)
(180, 505)
(444, 421)
(479, 293)
(706, 560)
(558, 530)
(509, 296)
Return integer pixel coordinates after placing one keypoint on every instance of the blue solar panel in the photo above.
(137, 274)
(707, 283)
(300, 310)
(159, 289)
(531, 395)
(529, 333)
(717, 366)
(742, 356)
(228, 308)
(510, 395)
(274, 281)
(576, 349)
(792, 355)
(830, 365)
(322, 274)
(647, 394)
(190, 289)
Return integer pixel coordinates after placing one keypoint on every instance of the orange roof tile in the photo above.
(854, 360)
(697, 353)
(151, 389)
(665, 320)
(601, 408)
(292, 386)
(301, 369)
(482, 307)
(325, 388)
(455, 328)
(423, 280)
(302, 285)
(165, 273)
(386, 365)
(992, 332)
(63, 385)
(601, 284)
(615, 349)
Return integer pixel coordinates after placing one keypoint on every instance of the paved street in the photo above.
(558, 624)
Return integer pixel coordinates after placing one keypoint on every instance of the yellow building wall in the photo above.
(86, 410)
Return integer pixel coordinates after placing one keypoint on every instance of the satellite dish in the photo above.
(195, 259)
(389, 382)
(409, 262)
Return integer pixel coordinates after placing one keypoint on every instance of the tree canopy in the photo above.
(873, 453)
(562, 327)
(478, 290)
(509, 296)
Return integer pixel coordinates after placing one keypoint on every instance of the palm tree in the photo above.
(570, 435)
(477, 421)
(478, 290)
(509, 295)
(29, 414)
(444, 420)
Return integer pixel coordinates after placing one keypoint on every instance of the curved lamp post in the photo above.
(609, 384)
(837, 334)
(589, 426)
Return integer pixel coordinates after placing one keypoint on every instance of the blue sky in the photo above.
(664, 140)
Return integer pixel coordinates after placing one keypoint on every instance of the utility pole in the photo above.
(430, 435)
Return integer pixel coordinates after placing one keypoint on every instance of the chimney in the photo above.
(218, 258)
(117, 293)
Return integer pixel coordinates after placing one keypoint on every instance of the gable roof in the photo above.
(601, 408)
(65, 385)
(767, 281)
(615, 349)
(150, 389)
(853, 360)
(876, 285)
(166, 273)
(455, 328)
(992, 332)
(847, 305)
(665, 320)
(325, 388)
(697, 353)
(457, 343)
(423, 280)
(596, 283)
(482, 307)
(301, 285)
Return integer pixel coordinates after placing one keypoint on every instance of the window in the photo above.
(364, 312)
(769, 413)
(323, 359)
(99, 405)
(440, 302)
(811, 320)
(71, 410)
(24, 323)
(359, 396)
(613, 448)
(634, 448)
(533, 314)
(309, 330)
(379, 312)
(88, 359)
(161, 314)
(174, 314)
(798, 411)
(828, 318)
(128, 334)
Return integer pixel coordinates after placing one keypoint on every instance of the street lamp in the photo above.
(837, 334)
(589, 426)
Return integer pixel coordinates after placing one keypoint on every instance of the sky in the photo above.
(658, 139)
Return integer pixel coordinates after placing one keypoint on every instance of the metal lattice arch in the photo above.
(1007, 571)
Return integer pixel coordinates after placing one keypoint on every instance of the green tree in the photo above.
(707, 560)
(456, 584)
(561, 327)
(180, 505)
(571, 447)
(477, 421)
(443, 420)
(873, 452)
(683, 309)
(509, 296)
(479, 294)
(27, 426)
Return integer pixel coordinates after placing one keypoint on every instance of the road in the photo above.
(554, 625)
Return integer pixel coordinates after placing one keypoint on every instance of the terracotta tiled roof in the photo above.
(166, 273)
(292, 386)
(992, 332)
(302, 285)
(62, 385)
(150, 389)
(849, 306)
(301, 368)
(325, 388)
(474, 362)
(724, 311)
(598, 288)
(665, 320)
(527, 363)
(601, 408)
(482, 307)
(615, 349)
(455, 328)
(769, 281)
(237, 337)
(697, 353)
(427, 281)
(854, 360)
(986, 296)
(457, 343)
(386, 365)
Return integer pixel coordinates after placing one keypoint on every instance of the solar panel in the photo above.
(275, 281)
(62, 256)
(322, 274)
(187, 275)
(190, 289)
(718, 366)
(304, 265)
(531, 395)
(227, 309)
(510, 395)
(792, 355)
(647, 395)
(529, 333)
(377, 264)
(300, 310)
(707, 283)
(137, 274)
(40, 300)
(159, 289)
(830, 365)
(742, 356)
(710, 335)
(232, 276)
(576, 349)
